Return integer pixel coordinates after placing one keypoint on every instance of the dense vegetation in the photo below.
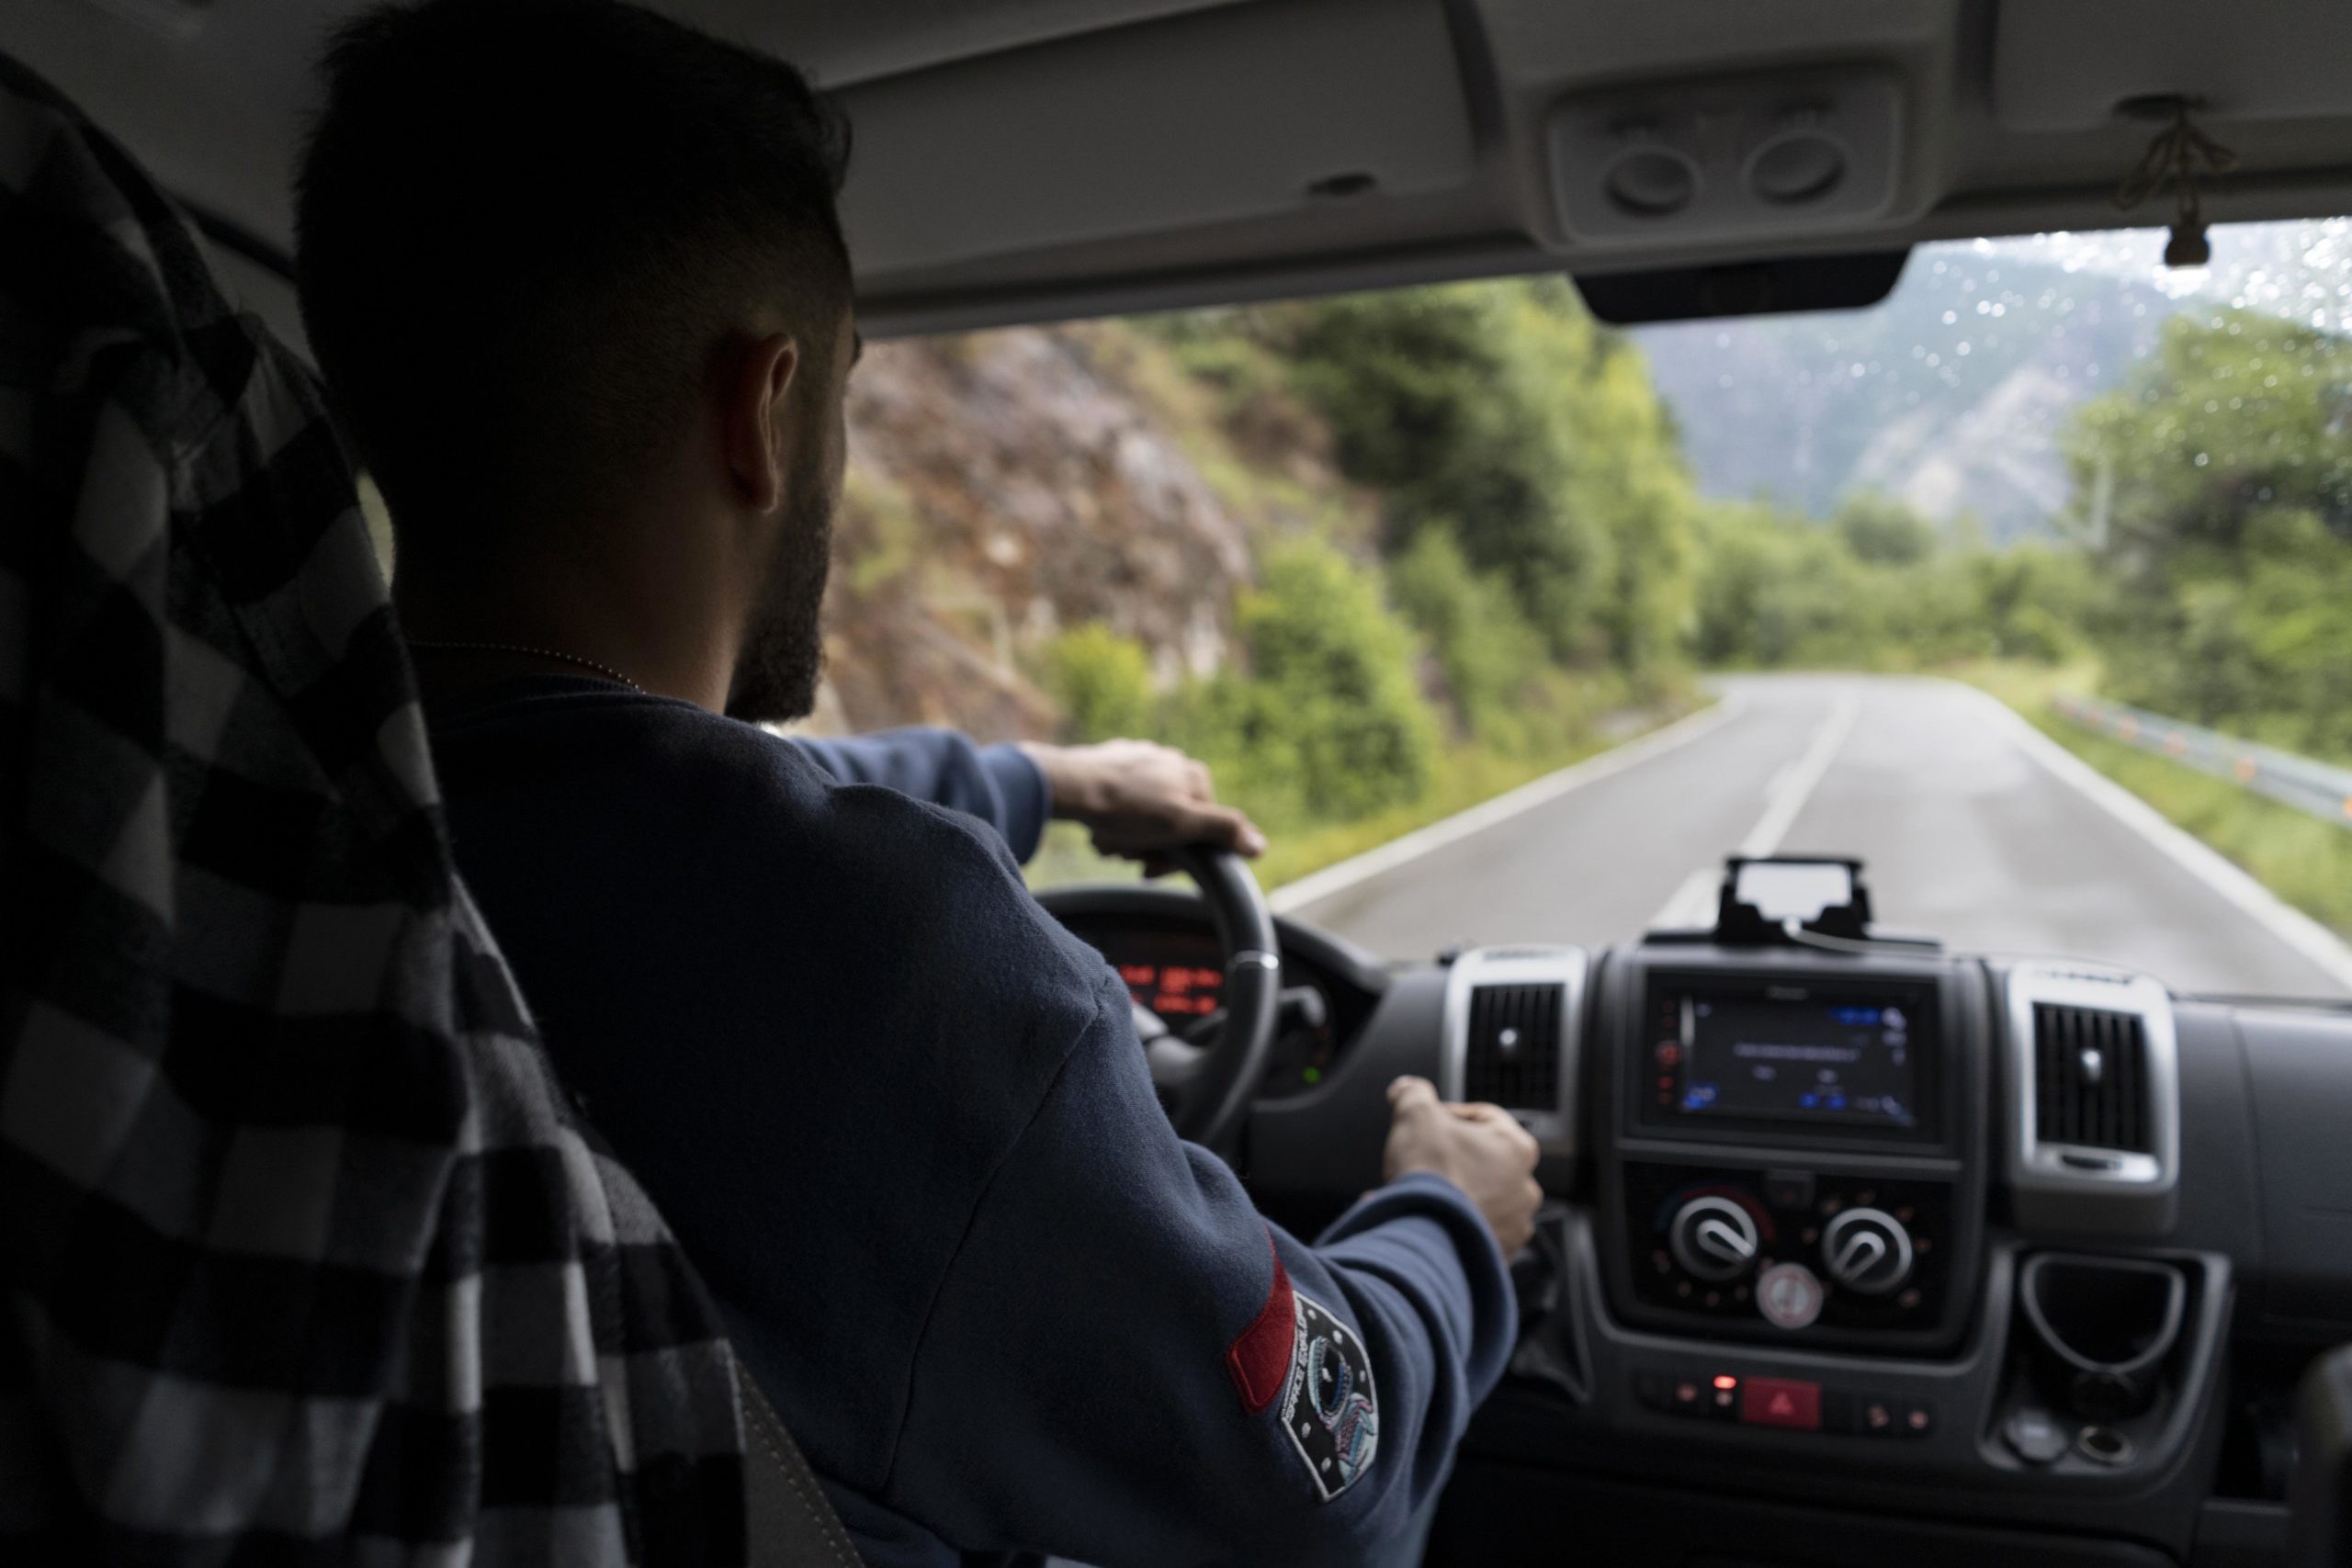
(1537, 553)
(1526, 567)
(1876, 586)
(2214, 492)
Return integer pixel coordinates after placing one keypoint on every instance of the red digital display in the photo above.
(1174, 990)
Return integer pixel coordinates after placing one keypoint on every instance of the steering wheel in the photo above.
(1207, 1083)
(1206, 1072)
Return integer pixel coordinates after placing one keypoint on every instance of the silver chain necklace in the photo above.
(556, 654)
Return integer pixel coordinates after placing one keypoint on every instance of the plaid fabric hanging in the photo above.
(303, 1256)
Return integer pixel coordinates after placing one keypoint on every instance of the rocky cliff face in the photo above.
(1006, 485)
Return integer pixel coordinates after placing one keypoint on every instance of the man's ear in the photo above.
(757, 404)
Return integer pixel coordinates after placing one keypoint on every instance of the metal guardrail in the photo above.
(2322, 789)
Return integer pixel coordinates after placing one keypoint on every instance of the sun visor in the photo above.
(1236, 113)
(2065, 64)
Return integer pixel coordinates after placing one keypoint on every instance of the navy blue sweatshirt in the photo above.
(899, 1119)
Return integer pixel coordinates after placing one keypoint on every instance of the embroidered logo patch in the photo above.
(1330, 1409)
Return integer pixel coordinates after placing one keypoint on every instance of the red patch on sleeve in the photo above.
(1259, 1356)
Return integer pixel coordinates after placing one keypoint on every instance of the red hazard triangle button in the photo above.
(1780, 1402)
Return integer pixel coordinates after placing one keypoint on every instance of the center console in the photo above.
(1868, 1226)
(1793, 1148)
(1855, 1225)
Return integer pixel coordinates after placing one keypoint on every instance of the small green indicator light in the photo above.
(1312, 1075)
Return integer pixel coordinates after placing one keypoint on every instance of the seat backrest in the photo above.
(300, 1246)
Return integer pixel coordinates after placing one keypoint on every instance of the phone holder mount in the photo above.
(1810, 902)
(1767, 899)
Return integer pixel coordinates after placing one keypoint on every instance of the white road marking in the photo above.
(1793, 786)
(1694, 904)
(2209, 865)
(1313, 888)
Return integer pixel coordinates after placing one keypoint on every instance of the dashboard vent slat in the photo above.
(2090, 1077)
(1512, 1056)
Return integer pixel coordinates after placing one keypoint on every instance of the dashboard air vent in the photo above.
(2091, 1078)
(1514, 1050)
(2089, 976)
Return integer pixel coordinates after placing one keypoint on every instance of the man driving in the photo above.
(574, 276)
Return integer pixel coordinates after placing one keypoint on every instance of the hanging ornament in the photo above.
(2179, 156)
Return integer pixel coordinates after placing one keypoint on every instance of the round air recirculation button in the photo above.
(1651, 182)
(1797, 166)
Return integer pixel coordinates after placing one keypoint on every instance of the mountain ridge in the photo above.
(1950, 395)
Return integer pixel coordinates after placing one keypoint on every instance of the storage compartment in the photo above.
(2110, 1361)
(2103, 1328)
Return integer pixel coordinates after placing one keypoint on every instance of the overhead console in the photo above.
(1768, 155)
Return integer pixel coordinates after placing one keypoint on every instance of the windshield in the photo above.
(2031, 586)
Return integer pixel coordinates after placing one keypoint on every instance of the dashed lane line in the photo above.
(1694, 902)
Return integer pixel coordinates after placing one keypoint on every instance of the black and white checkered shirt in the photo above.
(303, 1256)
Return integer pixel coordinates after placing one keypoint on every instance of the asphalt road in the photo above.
(1967, 833)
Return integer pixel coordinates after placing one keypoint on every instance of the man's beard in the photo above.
(784, 648)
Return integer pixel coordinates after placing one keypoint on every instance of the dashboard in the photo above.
(1167, 953)
(1912, 1252)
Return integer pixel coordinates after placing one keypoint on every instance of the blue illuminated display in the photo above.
(1817, 1058)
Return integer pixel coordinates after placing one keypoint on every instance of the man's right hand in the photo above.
(1479, 1148)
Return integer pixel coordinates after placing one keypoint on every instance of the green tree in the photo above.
(1777, 590)
(1882, 529)
(2038, 599)
(1331, 689)
(1483, 645)
(1877, 587)
(1101, 681)
(1505, 414)
(2215, 490)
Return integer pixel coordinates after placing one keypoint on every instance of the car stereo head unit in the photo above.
(1820, 1059)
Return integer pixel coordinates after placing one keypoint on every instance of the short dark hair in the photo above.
(520, 225)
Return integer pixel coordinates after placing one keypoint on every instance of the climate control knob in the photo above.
(1866, 1250)
(1713, 1238)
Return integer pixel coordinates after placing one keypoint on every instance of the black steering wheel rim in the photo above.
(1209, 1095)
(1206, 1077)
